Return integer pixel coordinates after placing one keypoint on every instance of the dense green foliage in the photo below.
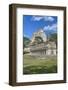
(26, 42)
(53, 37)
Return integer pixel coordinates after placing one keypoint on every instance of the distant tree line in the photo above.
(26, 42)
(53, 37)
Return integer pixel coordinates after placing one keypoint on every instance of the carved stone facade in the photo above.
(44, 47)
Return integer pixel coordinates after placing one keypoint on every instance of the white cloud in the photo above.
(48, 18)
(36, 18)
(51, 27)
(45, 18)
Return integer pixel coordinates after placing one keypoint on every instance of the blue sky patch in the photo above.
(31, 23)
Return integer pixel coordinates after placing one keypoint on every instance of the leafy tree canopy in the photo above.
(53, 37)
(26, 41)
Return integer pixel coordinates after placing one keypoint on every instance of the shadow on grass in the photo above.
(40, 69)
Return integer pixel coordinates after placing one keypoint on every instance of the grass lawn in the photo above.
(37, 65)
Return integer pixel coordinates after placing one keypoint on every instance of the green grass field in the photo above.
(38, 65)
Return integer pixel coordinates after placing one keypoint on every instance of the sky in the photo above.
(31, 23)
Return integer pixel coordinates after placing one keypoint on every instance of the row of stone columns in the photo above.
(44, 52)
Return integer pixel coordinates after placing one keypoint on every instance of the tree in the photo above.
(53, 37)
(26, 42)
